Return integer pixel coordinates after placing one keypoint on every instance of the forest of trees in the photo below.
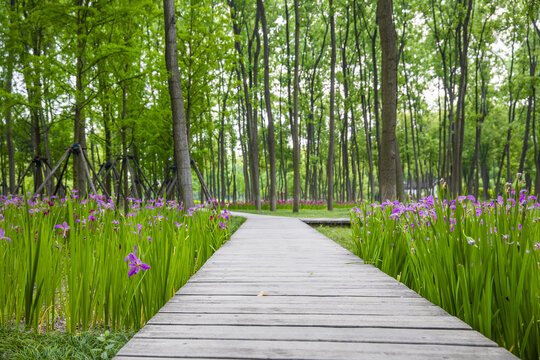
(282, 98)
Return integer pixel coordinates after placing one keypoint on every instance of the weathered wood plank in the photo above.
(329, 301)
(315, 350)
(348, 321)
(327, 221)
(328, 334)
(376, 309)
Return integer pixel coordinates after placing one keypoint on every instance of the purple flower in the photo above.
(135, 264)
(222, 226)
(91, 218)
(537, 246)
(65, 227)
(2, 235)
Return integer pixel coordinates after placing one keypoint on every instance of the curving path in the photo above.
(281, 290)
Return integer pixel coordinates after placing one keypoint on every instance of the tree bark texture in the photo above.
(295, 132)
(330, 159)
(181, 147)
(271, 139)
(389, 99)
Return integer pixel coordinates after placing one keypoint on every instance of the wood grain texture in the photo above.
(281, 290)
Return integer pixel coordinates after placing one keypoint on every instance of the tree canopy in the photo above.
(268, 87)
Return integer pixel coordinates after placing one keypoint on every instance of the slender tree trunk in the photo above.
(400, 188)
(457, 146)
(530, 109)
(364, 101)
(330, 159)
(295, 132)
(535, 146)
(378, 140)
(267, 99)
(344, 144)
(181, 147)
(223, 152)
(411, 116)
(233, 169)
(285, 192)
(79, 179)
(8, 104)
(253, 142)
(32, 79)
(389, 99)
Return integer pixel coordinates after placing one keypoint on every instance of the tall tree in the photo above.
(330, 159)
(268, 102)
(253, 142)
(295, 132)
(7, 104)
(79, 130)
(389, 99)
(181, 146)
(462, 37)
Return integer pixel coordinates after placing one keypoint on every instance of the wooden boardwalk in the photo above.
(281, 290)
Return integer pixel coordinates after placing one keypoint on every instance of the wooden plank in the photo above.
(338, 321)
(315, 350)
(328, 334)
(340, 309)
(330, 301)
(327, 221)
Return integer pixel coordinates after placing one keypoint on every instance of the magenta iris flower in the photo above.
(2, 235)
(65, 227)
(135, 264)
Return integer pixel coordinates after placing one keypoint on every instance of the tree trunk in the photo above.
(457, 146)
(241, 132)
(253, 142)
(7, 104)
(283, 164)
(411, 116)
(344, 143)
(181, 147)
(271, 140)
(532, 72)
(295, 132)
(330, 159)
(364, 101)
(400, 188)
(535, 146)
(389, 99)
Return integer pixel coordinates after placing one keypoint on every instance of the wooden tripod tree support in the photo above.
(201, 180)
(76, 150)
(135, 172)
(39, 164)
(170, 182)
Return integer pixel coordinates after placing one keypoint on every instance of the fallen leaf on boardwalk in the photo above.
(261, 293)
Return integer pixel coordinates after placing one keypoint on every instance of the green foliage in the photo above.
(17, 344)
(478, 261)
(68, 259)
